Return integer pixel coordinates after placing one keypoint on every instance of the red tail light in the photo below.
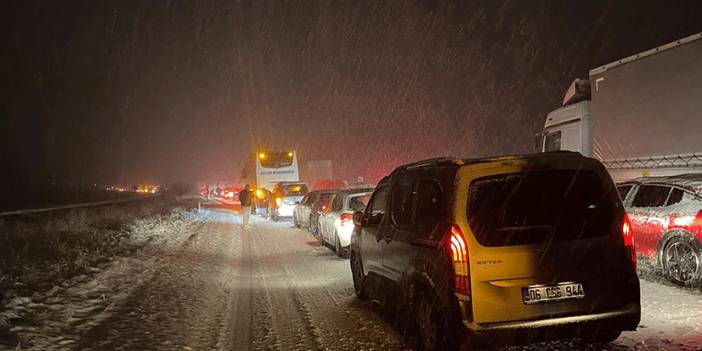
(696, 226)
(459, 256)
(346, 218)
(628, 235)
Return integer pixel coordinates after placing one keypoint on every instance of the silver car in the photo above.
(335, 220)
(301, 214)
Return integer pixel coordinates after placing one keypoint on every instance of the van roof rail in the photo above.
(428, 162)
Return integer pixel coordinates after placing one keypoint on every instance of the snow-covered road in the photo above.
(211, 286)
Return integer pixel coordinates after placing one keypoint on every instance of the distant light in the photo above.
(262, 155)
(290, 154)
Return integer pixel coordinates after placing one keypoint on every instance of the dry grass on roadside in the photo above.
(37, 252)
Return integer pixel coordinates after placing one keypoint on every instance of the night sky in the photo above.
(165, 91)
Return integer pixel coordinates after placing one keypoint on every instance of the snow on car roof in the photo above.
(690, 181)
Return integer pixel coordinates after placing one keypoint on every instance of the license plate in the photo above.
(541, 294)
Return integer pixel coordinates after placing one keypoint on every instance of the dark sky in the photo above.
(163, 91)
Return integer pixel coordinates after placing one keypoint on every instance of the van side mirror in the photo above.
(358, 218)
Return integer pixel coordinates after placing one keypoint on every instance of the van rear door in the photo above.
(543, 242)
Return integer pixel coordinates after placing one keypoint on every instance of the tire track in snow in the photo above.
(318, 285)
(292, 326)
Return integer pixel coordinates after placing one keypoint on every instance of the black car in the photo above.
(499, 250)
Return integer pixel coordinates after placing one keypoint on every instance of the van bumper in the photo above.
(567, 327)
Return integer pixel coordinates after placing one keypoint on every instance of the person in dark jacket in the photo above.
(246, 199)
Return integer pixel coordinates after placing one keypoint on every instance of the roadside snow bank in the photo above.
(53, 317)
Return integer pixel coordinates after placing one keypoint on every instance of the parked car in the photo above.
(666, 220)
(285, 197)
(323, 202)
(336, 222)
(301, 213)
(499, 250)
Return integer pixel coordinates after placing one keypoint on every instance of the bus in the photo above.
(270, 168)
(275, 167)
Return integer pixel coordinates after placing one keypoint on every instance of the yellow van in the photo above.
(501, 250)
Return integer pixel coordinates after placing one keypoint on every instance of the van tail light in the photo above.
(628, 235)
(459, 257)
(346, 219)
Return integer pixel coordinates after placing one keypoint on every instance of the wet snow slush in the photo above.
(209, 285)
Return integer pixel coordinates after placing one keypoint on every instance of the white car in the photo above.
(336, 222)
(285, 197)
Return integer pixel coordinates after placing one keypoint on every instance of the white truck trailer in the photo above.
(640, 116)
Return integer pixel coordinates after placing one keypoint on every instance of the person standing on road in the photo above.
(245, 197)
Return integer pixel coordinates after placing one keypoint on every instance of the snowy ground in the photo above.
(205, 284)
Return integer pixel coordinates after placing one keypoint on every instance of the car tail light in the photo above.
(459, 257)
(628, 236)
(696, 226)
(346, 218)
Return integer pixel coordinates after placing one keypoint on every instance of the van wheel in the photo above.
(359, 279)
(681, 261)
(430, 322)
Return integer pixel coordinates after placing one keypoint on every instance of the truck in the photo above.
(640, 116)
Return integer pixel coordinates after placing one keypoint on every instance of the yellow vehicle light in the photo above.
(278, 201)
(259, 193)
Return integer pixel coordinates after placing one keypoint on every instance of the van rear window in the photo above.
(539, 207)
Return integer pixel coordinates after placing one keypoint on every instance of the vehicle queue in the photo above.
(506, 249)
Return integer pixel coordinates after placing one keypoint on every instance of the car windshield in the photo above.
(294, 190)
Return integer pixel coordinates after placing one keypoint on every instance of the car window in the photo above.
(623, 191)
(337, 203)
(429, 203)
(377, 206)
(402, 203)
(537, 207)
(651, 196)
(327, 203)
(358, 202)
(676, 195)
(323, 200)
